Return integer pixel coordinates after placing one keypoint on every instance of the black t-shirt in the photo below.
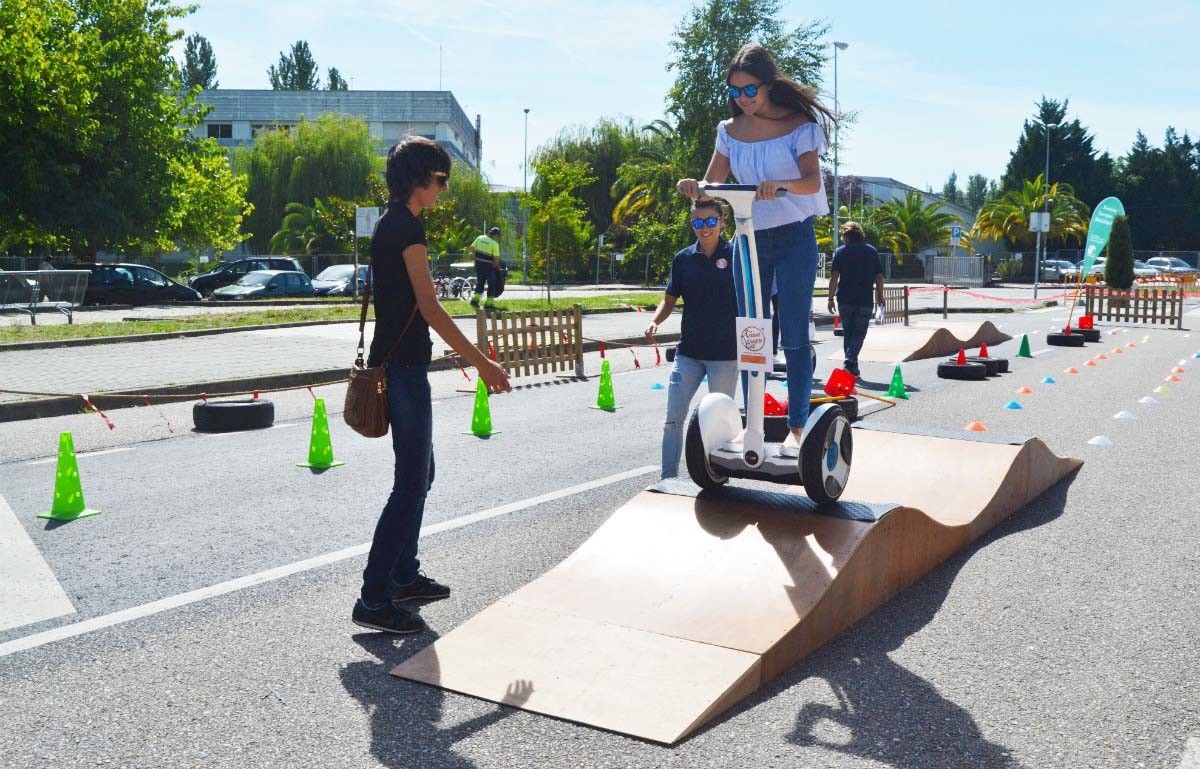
(394, 298)
(857, 265)
(709, 327)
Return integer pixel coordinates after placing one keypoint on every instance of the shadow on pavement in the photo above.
(405, 715)
(885, 712)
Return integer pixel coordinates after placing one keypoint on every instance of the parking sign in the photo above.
(955, 234)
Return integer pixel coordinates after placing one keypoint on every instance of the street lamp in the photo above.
(1038, 255)
(836, 124)
(525, 189)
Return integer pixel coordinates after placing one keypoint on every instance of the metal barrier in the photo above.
(33, 291)
(534, 342)
(1140, 305)
(959, 270)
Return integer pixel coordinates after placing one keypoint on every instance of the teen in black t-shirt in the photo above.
(406, 307)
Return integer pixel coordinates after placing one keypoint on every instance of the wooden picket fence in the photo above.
(895, 304)
(1162, 306)
(533, 342)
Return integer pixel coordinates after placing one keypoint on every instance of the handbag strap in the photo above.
(362, 319)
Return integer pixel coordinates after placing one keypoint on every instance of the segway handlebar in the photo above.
(709, 187)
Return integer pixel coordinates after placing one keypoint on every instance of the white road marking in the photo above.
(83, 455)
(194, 596)
(1042, 351)
(1191, 754)
(284, 425)
(29, 591)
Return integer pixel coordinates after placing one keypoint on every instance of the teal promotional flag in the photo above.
(1098, 231)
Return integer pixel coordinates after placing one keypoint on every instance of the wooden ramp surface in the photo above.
(927, 339)
(681, 604)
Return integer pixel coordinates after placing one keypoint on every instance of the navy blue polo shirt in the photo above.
(709, 328)
(857, 264)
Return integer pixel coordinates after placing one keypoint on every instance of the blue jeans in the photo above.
(393, 557)
(856, 318)
(788, 254)
(684, 382)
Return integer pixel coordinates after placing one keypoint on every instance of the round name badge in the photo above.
(722, 264)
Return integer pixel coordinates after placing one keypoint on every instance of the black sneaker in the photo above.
(387, 619)
(420, 589)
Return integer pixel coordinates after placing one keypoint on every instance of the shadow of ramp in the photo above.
(621, 635)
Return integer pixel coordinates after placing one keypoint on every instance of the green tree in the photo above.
(336, 81)
(296, 71)
(704, 44)
(325, 227)
(1161, 186)
(1073, 158)
(1118, 267)
(559, 229)
(210, 201)
(951, 192)
(96, 131)
(977, 191)
(332, 156)
(910, 226)
(464, 211)
(199, 69)
(1007, 218)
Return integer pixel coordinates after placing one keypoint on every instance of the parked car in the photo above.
(1071, 274)
(335, 280)
(123, 283)
(1143, 270)
(1171, 265)
(1056, 269)
(1097, 267)
(228, 273)
(263, 284)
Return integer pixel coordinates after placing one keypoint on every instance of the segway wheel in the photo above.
(825, 454)
(696, 457)
(970, 372)
(991, 364)
(1088, 334)
(1074, 339)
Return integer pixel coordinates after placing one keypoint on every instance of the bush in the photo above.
(1118, 269)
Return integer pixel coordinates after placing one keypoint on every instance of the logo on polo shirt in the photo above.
(722, 264)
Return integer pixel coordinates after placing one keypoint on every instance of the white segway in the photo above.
(717, 447)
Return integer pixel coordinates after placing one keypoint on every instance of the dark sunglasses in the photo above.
(443, 178)
(708, 221)
(749, 90)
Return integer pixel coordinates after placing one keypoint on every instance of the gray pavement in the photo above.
(1063, 638)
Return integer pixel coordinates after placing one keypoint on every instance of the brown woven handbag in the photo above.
(366, 408)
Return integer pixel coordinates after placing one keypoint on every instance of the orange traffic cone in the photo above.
(983, 350)
(975, 427)
(962, 357)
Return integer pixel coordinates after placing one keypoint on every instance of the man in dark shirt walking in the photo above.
(855, 270)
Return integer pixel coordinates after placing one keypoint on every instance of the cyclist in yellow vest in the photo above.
(487, 265)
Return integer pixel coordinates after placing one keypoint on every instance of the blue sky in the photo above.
(937, 86)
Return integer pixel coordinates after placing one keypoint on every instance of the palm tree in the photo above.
(911, 226)
(311, 229)
(1007, 217)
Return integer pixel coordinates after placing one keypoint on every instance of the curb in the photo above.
(58, 406)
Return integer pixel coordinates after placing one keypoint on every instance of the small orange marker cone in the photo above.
(1131, 344)
(983, 350)
(1026, 390)
(1091, 363)
(1101, 356)
(975, 427)
(962, 357)
(1118, 351)
(1172, 378)
(1071, 370)
(1178, 370)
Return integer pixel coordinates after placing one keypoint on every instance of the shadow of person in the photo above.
(405, 715)
(885, 712)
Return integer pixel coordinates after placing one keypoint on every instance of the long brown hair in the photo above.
(785, 92)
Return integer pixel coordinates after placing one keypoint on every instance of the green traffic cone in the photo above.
(897, 389)
(1024, 351)
(481, 418)
(606, 399)
(68, 491)
(320, 450)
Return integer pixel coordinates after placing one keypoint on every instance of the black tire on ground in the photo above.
(818, 478)
(992, 364)
(1074, 339)
(971, 372)
(1088, 334)
(233, 415)
(696, 458)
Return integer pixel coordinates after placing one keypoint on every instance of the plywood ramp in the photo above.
(681, 603)
(928, 339)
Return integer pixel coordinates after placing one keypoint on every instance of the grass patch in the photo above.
(275, 315)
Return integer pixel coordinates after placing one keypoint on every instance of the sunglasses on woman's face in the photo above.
(708, 221)
(443, 178)
(750, 91)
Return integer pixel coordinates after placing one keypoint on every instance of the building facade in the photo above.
(238, 115)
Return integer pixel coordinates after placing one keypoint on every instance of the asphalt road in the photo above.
(1066, 637)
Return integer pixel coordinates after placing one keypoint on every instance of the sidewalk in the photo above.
(242, 361)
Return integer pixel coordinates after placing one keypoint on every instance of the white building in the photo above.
(238, 115)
